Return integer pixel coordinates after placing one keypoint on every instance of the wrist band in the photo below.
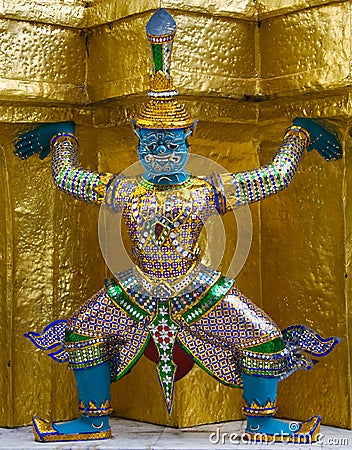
(299, 129)
(61, 135)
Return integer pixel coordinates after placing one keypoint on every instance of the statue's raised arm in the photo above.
(253, 185)
(68, 175)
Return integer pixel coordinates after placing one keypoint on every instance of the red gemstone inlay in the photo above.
(159, 228)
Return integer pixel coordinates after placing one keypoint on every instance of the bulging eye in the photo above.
(172, 146)
(151, 146)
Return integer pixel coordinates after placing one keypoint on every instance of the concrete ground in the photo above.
(131, 435)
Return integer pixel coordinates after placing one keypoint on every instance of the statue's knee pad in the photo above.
(84, 351)
(268, 359)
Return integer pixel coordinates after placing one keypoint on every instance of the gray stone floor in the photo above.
(130, 435)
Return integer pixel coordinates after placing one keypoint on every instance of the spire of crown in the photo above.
(162, 111)
(161, 30)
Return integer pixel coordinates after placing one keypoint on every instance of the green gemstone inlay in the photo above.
(274, 346)
(157, 50)
(74, 337)
(124, 301)
(213, 296)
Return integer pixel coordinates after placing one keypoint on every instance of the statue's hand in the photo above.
(320, 139)
(38, 139)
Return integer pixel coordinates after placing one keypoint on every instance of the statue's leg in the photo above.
(259, 406)
(93, 386)
(239, 345)
(101, 343)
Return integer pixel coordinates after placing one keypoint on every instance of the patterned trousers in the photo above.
(235, 336)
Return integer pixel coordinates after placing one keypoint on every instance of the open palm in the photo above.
(38, 139)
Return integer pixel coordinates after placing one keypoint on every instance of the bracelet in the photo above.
(299, 129)
(61, 135)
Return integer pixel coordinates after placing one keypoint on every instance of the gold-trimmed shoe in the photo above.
(306, 433)
(45, 432)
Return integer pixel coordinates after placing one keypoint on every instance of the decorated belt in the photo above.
(190, 314)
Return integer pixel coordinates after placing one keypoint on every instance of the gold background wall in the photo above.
(245, 69)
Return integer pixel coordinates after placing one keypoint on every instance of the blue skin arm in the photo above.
(254, 185)
(164, 154)
(68, 176)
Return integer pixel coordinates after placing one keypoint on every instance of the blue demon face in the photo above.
(163, 154)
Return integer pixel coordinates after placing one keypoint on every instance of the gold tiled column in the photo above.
(305, 60)
(303, 277)
(306, 50)
(347, 192)
(43, 59)
(50, 264)
(41, 62)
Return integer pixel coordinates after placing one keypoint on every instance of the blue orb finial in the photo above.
(161, 23)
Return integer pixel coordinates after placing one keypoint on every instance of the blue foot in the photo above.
(268, 429)
(83, 429)
(267, 425)
(83, 425)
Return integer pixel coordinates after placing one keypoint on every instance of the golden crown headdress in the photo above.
(162, 110)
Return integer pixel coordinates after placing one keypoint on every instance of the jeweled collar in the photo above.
(165, 187)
